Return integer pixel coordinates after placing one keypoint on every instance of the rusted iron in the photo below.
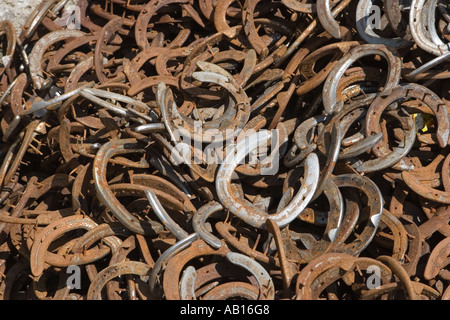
(128, 147)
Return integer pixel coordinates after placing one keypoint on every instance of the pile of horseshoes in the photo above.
(328, 125)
